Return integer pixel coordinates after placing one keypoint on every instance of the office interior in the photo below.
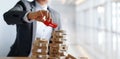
(92, 27)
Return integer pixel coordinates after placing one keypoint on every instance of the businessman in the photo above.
(27, 16)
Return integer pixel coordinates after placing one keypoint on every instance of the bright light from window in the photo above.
(114, 42)
(77, 2)
(63, 1)
(100, 9)
(101, 37)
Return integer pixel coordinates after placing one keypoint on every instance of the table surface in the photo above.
(15, 58)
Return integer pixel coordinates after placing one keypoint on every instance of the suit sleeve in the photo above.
(15, 15)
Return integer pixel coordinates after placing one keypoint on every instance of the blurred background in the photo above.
(92, 27)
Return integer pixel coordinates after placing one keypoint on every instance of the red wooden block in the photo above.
(48, 22)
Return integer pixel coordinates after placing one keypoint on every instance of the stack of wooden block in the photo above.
(57, 47)
(40, 49)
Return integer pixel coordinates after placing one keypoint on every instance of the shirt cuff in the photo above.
(26, 19)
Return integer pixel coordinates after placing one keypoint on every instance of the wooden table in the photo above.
(15, 58)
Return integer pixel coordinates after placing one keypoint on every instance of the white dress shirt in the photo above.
(42, 31)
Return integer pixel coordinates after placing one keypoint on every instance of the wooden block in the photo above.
(34, 56)
(41, 50)
(63, 48)
(53, 58)
(54, 39)
(43, 57)
(58, 33)
(44, 44)
(41, 40)
(62, 57)
(37, 49)
(70, 57)
(83, 58)
(39, 53)
(57, 42)
(54, 49)
(54, 52)
(41, 44)
(38, 39)
(54, 45)
(54, 55)
(39, 56)
(58, 39)
(41, 47)
(62, 54)
(61, 31)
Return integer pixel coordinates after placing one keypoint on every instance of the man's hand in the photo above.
(39, 15)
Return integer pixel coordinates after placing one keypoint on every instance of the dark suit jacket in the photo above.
(25, 31)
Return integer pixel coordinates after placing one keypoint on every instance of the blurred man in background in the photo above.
(29, 24)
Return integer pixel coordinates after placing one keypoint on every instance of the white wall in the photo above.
(95, 30)
(7, 32)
